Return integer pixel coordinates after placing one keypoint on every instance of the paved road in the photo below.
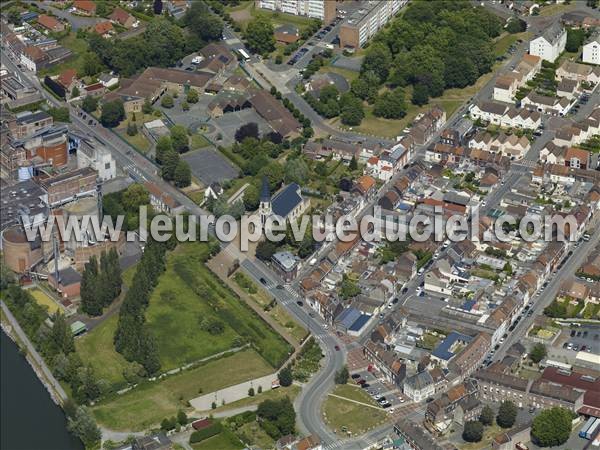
(76, 22)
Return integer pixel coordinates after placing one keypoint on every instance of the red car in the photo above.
(337, 348)
(361, 382)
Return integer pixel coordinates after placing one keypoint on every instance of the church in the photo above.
(287, 203)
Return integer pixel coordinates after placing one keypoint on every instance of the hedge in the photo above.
(206, 433)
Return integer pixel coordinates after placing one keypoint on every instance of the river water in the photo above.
(29, 419)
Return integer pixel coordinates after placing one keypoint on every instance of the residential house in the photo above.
(123, 18)
(489, 112)
(591, 50)
(458, 404)
(161, 200)
(386, 362)
(427, 124)
(546, 104)
(108, 80)
(416, 437)
(286, 265)
(550, 44)
(213, 190)
(578, 72)
(286, 34)
(365, 186)
(497, 386)
(216, 58)
(85, 7)
(50, 23)
(467, 360)
(567, 88)
(104, 29)
(419, 387)
(515, 438)
(505, 88)
(34, 58)
(67, 79)
(577, 158)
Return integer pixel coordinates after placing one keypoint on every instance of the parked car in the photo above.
(354, 376)
(337, 348)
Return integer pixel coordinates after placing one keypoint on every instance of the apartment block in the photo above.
(367, 21)
(324, 10)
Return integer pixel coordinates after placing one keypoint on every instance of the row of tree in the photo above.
(455, 55)
(132, 339)
(100, 283)
(55, 343)
(168, 148)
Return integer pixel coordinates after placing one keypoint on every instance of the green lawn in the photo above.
(356, 418)
(78, 47)
(253, 433)
(247, 11)
(225, 440)
(506, 40)
(199, 141)
(187, 294)
(96, 348)
(349, 75)
(272, 394)
(551, 10)
(149, 403)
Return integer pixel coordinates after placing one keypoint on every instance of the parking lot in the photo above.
(208, 165)
(380, 390)
(584, 338)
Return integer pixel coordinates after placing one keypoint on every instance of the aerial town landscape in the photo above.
(485, 112)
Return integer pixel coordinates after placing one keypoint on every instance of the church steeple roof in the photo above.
(265, 192)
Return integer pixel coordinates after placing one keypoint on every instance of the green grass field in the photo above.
(272, 394)
(356, 418)
(149, 403)
(78, 47)
(96, 348)
(246, 11)
(199, 141)
(225, 440)
(188, 293)
(44, 299)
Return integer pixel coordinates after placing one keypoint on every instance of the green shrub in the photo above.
(200, 435)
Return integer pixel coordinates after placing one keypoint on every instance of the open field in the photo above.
(43, 299)
(96, 348)
(272, 394)
(262, 298)
(560, 8)
(78, 46)
(247, 11)
(149, 403)
(349, 75)
(139, 141)
(225, 440)
(356, 418)
(188, 299)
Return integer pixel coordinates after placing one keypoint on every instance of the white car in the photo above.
(421, 271)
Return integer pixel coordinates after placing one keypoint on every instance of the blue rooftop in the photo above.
(359, 323)
(468, 305)
(286, 200)
(348, 316)
(442, 351)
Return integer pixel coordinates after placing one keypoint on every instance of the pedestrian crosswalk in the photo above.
(292, 292)
(134, 172)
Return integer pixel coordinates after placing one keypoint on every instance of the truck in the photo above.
(592, 430)
(584, 430)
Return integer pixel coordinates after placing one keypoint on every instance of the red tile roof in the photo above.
(85, 5)
(49, 22)
(66, 77)
(103, 27)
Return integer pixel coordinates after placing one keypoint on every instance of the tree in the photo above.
(251, 198)
(84, 427)
(90, 301)
(157, 7)
(75, 92)
(205, 25)
(182, 417)
(487, 415)
(507, 414)
(91, 64)
(185, 106)
(167, 101)
(259, 36)
(131, 129)
(251, 392)
(171, 160)
(112, 113)
(249, 130)
(163, 146)
(575, 39)
(378, 59)
(420, 95)
(296, 171)
(14, 15)
(353, 164)
(265, 250)
(147, 107)
(277, 417)
(60, 114)
(552, 427)
(390, 105)
(89, 104)
(538, 352)
(473, 431)
(183, 174)
(349, 288)
(180, 139)
(192, 96)
(342, 375)
(352, 112)
(285, 376)
(516, 25)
